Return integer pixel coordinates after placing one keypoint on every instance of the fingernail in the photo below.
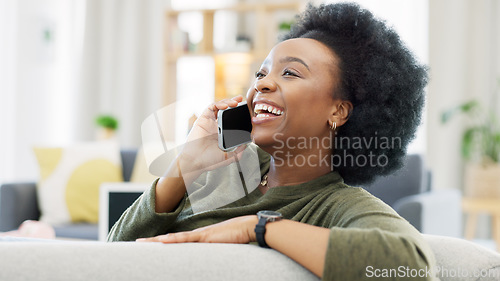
(140, 240)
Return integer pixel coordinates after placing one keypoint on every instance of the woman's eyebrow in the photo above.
(294, 59)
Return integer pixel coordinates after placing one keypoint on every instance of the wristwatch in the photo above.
(260, 228)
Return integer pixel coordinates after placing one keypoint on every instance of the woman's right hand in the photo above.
(201, 151)
(199, 154)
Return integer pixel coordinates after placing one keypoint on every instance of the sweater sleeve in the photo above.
(140, 219)
(375, 243)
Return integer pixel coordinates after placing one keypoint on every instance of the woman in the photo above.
(340, 74)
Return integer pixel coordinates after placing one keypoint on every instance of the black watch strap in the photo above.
(260, 231)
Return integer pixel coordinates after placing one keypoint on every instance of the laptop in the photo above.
(114, 199)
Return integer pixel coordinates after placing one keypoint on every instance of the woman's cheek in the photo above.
(250, 93)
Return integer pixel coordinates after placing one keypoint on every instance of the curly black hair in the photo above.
(379, 76)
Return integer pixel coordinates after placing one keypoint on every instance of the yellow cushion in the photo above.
(141, 173)
(68, 190)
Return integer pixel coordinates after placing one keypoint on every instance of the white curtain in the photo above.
(464, 39)
(64, 62)
(121, 67)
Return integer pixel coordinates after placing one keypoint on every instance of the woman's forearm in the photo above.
(304, 243)
(308, 245)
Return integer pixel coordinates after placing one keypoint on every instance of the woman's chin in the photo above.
(266, 140)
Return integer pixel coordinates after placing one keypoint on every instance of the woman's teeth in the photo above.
(261, 109)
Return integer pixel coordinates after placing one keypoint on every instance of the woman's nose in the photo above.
(265, 85)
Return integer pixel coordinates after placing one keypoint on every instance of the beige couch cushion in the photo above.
(459, 259)
(154, 261)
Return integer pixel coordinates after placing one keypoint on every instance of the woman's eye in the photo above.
(259, 74)
(289, 73)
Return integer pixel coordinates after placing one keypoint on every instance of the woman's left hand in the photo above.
(238, 230)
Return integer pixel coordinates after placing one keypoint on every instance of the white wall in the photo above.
(8, 18)
(464, 63)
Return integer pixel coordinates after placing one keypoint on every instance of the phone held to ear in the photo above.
(235, 126)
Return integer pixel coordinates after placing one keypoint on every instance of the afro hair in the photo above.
(379, 76)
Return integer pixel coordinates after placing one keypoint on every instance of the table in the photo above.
(475, 206)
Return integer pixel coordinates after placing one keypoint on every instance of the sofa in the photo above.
(45, 260)
(18, 202)
(408, 191)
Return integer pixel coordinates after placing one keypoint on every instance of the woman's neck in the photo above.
(291, 168)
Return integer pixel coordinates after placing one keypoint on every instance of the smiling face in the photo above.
(292, 95)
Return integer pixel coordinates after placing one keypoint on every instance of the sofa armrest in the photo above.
(456, 260)
(437, 212)
(18, 203)
(462, 260)
(128, 160)
(145, 261)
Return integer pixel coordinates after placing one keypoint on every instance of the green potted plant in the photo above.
(107, 125)
(480, 148)
(284, 27)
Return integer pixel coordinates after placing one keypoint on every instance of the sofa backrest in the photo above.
(411, 179)
(128, 159)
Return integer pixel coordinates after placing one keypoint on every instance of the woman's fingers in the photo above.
(202, 140)
(235, 230)
(224, 104)
(178, 237)
(237, 99)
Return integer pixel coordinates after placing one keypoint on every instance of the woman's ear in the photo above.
(341, 112)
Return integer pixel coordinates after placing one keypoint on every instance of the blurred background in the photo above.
(65, 63)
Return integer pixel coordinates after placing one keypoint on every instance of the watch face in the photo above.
(269, 214)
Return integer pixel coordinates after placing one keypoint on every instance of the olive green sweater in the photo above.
(368, 239)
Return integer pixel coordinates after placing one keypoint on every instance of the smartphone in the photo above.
(235, 126)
